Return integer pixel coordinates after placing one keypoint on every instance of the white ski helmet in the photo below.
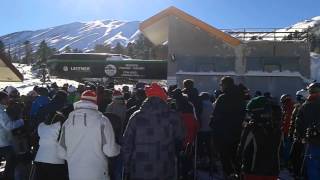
(72, 89)
(10, 89)
(302, 95)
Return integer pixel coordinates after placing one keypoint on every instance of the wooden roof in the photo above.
(194, 21)
(8, 73)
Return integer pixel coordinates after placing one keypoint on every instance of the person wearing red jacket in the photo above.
(189, 120)
(287, 106)
(188, 116)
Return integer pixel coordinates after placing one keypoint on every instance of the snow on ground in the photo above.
(30, 80)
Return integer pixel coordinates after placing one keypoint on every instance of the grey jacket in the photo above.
(149, 141)
(6, 125)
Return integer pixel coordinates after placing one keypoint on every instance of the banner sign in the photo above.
(134, 69)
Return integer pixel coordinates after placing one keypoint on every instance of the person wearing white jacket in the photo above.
(6, 125)
(87, 137)
(48, 165)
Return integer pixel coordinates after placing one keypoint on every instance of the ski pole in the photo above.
(195, 158)
(304, 159)
(124, 175)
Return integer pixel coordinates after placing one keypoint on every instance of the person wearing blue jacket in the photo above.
(6, 125)
(58, 101)
(41, 101)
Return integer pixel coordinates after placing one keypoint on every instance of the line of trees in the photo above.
(310, 34)
(142, 48)
(41, 55)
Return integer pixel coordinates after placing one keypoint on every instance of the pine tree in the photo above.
(312, 40)
(289, 37)
(43, 52)
(99, 48)
(107, 48)
(143, 48)
(76, 50)
(8, 53)
(118, 49)
(67, 49)
(53, 51)
(2, 48)
(140, 48)
(28, 52)
(130, 50)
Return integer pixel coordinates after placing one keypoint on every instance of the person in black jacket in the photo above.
(226, 123)
(140, 97)
(193, 95)
(296, 153)
(308, 128)
(115, 168)
(260, 142)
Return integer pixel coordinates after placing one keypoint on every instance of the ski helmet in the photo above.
(71, 89)
(302, 95)
(284, 98)
(259, 108)
(314, 88)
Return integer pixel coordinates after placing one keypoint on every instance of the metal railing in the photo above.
(271, 34)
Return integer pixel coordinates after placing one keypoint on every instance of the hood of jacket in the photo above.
(83, 104)
(154, 105)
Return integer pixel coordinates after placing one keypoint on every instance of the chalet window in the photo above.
(272, 67)
(206, 67)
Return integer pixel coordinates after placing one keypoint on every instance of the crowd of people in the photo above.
(96, 132)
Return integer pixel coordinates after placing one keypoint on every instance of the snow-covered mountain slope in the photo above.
(313, 25)
(306, 24)
(83, 36)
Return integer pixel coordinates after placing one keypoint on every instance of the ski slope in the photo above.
(31, 80)
(81, 35)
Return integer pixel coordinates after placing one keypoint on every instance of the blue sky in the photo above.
(18, 15)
